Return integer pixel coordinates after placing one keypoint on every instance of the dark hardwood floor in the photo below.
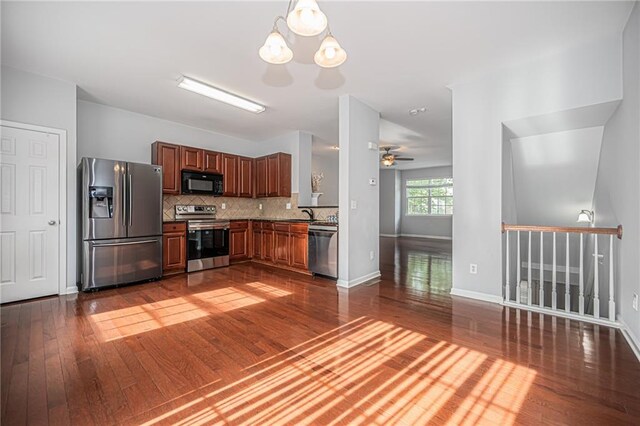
(254, 345)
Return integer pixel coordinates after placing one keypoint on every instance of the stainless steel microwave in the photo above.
(202, 183)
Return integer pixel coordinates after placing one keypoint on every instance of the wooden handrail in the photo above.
(571, 229)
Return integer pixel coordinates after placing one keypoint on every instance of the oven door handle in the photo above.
(206, 228)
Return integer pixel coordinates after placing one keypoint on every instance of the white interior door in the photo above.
(29, 214)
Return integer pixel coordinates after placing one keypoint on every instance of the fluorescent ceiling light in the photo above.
(219, 95)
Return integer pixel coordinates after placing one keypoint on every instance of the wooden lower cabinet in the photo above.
(282, 248)
(299, 256)
(281, 244)
(174, 248)
(239, 239)
(267, 245)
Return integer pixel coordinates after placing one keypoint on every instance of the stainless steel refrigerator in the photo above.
(120, 216)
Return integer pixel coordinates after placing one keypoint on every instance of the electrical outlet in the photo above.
(634, 303)
(371, 255)
(372, 182)
(354, 204)
(260, 206)
(473, 268)
(288, 206)
(223, 206)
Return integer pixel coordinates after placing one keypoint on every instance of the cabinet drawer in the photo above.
(174, 227)
(256, 224)
(299, 228)
(267, 225)
(239, 224)
(281, 227)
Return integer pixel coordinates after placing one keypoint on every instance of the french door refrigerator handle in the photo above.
(124, 199)
(130, 200)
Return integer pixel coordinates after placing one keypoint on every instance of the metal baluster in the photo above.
(554, 294)
(612, 303)
(529, 280)
(581, 296)
(507, 289)
(567, 279)
(518, 268)
(541, 289)
(596, 279)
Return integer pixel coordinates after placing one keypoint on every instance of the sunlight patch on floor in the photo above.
(138, 319)
(361, 374)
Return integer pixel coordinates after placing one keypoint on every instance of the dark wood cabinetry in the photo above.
(174, 247)
(268, 176)
(256, 240)
(239, 238)
(281, 244)
(299, 256)
(191, 158)
(168, 156)
(230, 175)
(212, 162)
(245, 177)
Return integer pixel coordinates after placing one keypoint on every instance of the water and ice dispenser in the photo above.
(100, 202)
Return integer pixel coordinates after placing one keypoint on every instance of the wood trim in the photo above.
(570, 229)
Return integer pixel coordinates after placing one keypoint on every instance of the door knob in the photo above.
(53, 222)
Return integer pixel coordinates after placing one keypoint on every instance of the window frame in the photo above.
(429, 197)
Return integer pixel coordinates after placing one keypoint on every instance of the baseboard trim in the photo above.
(563, 314)
(476, 295)
(389, 235)
(631, 338)
(431, 237)
(357, 281)
(71, 290)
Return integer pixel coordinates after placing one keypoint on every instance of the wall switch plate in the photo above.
(373, 146)
(372, 182)
(223, 206)
(354, 204)
(371, 255)
(288, 206)
(473, 268)
(634, 302)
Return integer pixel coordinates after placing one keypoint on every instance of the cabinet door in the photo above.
(284, 175)
(212, 162)
(238, 244)
(267, 245)
(174, 252)
(272, 175)
(168, 156)
(261, 177)
(281, 253)
(230, 175)
(191, 158)
(299, 251)
(245, 177)
(257, 244)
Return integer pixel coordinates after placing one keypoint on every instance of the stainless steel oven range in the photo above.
(207, 237)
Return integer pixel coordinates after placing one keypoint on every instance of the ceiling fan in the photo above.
(389, 159)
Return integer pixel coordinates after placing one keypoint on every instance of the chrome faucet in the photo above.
(310, 213)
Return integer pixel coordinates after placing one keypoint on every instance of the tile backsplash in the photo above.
(245, 208)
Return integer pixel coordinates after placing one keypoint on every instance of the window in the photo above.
(427, 197)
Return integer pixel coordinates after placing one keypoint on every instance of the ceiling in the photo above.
(402, 55)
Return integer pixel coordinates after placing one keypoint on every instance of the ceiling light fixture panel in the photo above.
(416, 111)
(220, 95)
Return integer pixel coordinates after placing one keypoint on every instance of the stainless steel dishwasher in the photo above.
(323, 250)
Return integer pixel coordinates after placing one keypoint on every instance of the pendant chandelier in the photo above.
(305, 19)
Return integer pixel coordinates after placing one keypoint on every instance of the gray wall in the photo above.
(327, 163)
(617, 193)
(579, 76)
(43, 101)
(389, 202)
(432, 226)
(359, 227)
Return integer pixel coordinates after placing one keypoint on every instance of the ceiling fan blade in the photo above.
(403, 159)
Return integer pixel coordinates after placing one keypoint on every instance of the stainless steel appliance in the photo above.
(207, 238)
(323, 250)
(120, 221)
(202, 183)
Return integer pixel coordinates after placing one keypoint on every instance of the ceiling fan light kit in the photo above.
(307, 20)
(388, 159)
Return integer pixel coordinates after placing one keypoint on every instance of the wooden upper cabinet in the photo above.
(245, 177)
(261, 177)
(168, 156)
(277, 176)
(213, 162)
(192, 158)
(230, 175)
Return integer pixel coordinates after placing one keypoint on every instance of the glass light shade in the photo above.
(275, 49)
(585, 216)
(306, 18)
(330, 54)
(387, 162)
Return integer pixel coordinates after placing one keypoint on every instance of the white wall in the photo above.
(43, 101)
(617, 193)
(431, 226)
(580, 76)
(359, 227)
(390, 181)
(327, 164)
(118, 134)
